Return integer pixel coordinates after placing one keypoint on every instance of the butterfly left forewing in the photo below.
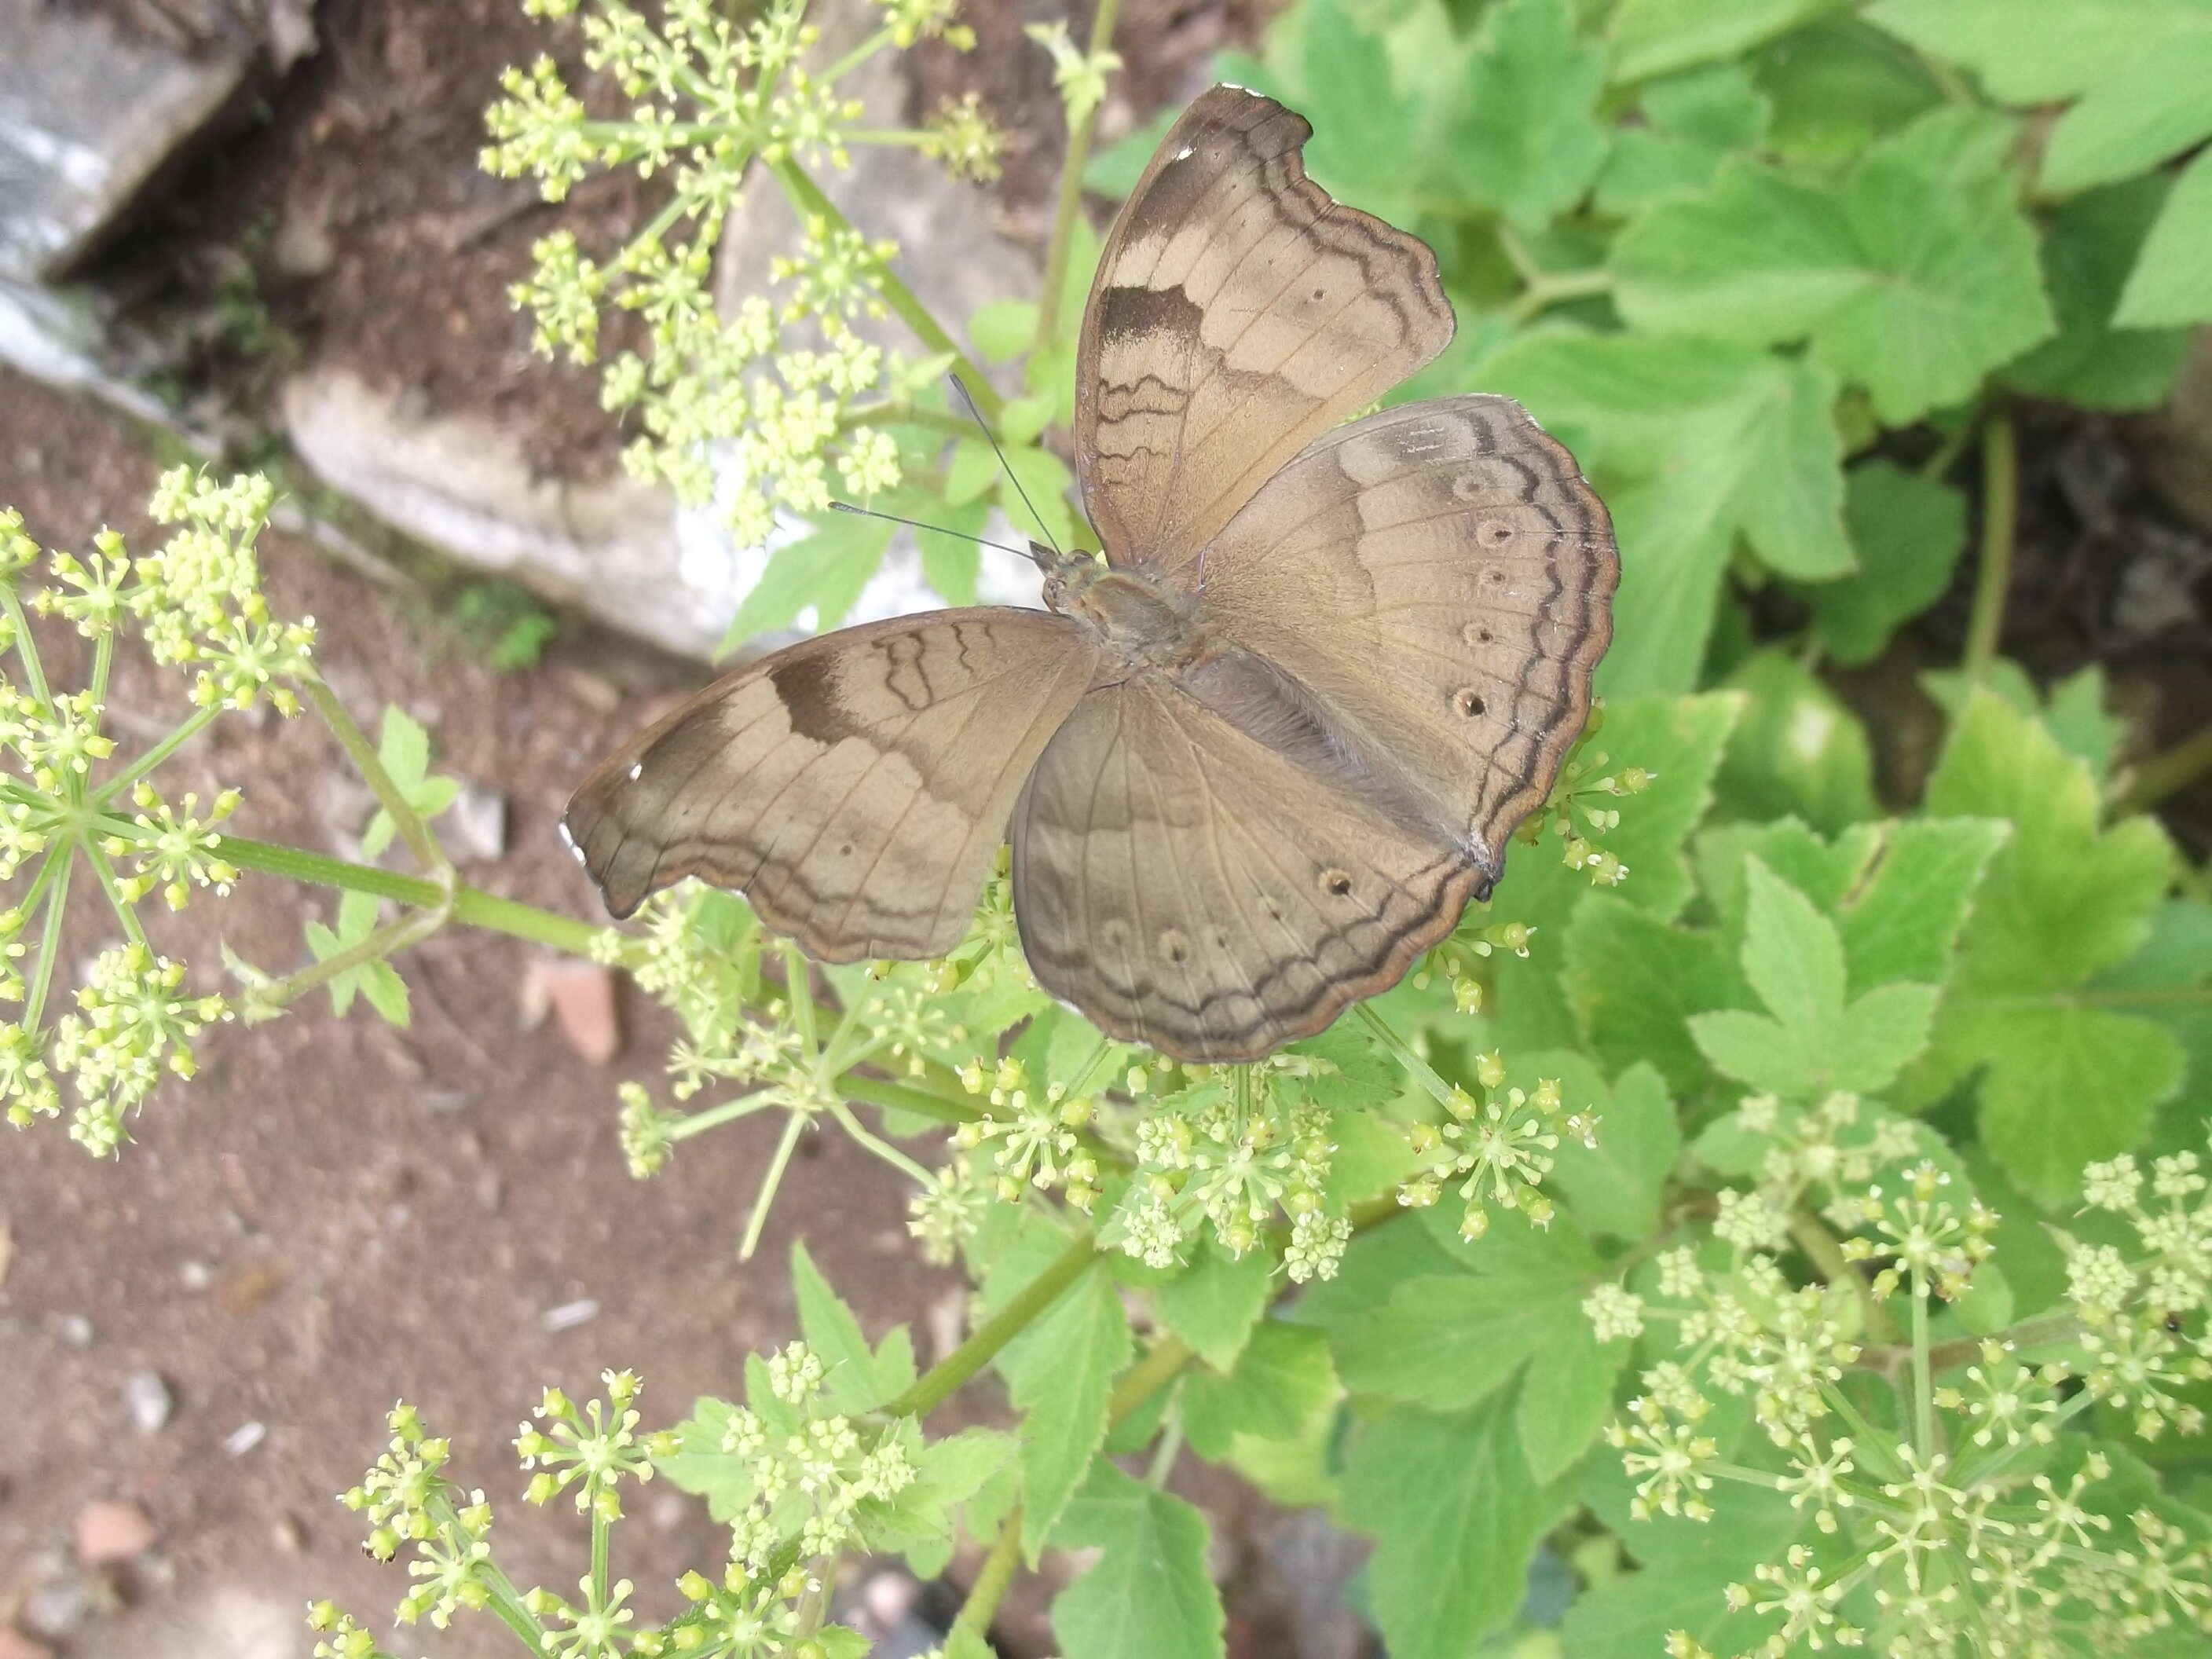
(1238, 310)
(854, 787)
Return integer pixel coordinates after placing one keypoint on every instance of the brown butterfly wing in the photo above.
(1185, 884)
(1438, 578)
(1238, 312)
(854, 787)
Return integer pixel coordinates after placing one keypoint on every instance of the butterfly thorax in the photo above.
(1143, 618)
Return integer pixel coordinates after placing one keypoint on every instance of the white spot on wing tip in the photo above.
(567, 839)
(635, 770)
(1185, 153)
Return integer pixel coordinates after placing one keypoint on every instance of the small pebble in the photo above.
(195, 1275)
(582, 995)
(244, 1437)
(475, 826)
(147, 1398)
(113, 1531)
(570, 1314)
(57, 1606)
(76, 1330)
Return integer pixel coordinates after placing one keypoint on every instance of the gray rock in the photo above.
(146, 1397)
(88, 114)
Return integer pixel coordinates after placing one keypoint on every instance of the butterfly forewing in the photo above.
(1238, 312)
(854, 787)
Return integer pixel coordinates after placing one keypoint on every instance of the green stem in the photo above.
(713, 1117)
(366, 761)
(2166, 774)
(1544, 292)
(794, 1126)
(104, 873)
(1158, 1368)
(882, 1148)
(471, 905)
(505, 1600)
(2000, 509)
(1424, 1073)
(858, 55)
(1923, 1388)
(898, 1097)
(53, 875)
(26, 647)
(808, 202)
(938, 1383)
(1164, 1454)
(103, 663)
(1069, 207)
(1814, 1239)
(898, 413)
(200, 719)
(1939, 465)
(989, 1588)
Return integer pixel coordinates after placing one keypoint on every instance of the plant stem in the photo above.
(1069, 207)
(200, 719)
(991, 1581)
(1924, 1391)
(1158, 1368)
(937, 1384)
(1544, 292)
(793, 1128)
(1999, 510)
(26, 647)
(363, 753)
(53, 875)
(898, 1097)
(2166, 774)
(858, 55)
(388, 940)
(1424, 1073)
(470, 904)
(882, 1148)
(808, 202)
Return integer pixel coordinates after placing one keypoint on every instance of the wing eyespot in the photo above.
(1468, 702)
(1493, 532)
(1174, 946)
(1336, 883)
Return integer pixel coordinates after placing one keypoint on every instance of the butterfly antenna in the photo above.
(916, 524)
(991, 438)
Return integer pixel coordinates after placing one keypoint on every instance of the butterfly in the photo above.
(1257, 761)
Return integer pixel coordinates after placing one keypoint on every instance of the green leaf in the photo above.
(1149, 1595)
(1695, 443)
(1903, 923)
(1214, 1305)
(1044, 481)
(386, 992)
(1635, 982)
(833, 1331)
(2062, 1083)
(825, 570)
(2177, 957)
(1527, 139)
(919, 1519)
(1793, 957)
(1908, 531)
(1281, 1380)
(949, 564)
(1114, 171)
(1455, 1515)
(701, 1467)
(1836, 86)
(1003, 330)
(1652, 37)
(1059, 1373)
(1691, 121)
(1798, 748)
(1616, 1186)
(403, 748)
(2135, 70)
(1913, 278)
(2092, 244)
(2172, 280)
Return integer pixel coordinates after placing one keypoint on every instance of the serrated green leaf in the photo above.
(1149, 1595)
(1798, 748)
(1908, 531)
(1792, 958)
(1696, 443)
(2062, 1083)
(386, 992)
(2135, 71)
(403, 747)
(1044, 481)
(1912, 278)
(1635, 982)
(1455, 1514)
(1654, 37)
(1059, 1373)
(2091, 246)
(1903, 924)
(1615, 1187)
(1215, 1304)
(1526, 139)
(2074, 715)
(701, 1467)
(833, 1331)
(972, 472)
(1281, 1380)
(1691, 121)
(949, 564)
(1004, 329)
(2172, 283)
(825, 571)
